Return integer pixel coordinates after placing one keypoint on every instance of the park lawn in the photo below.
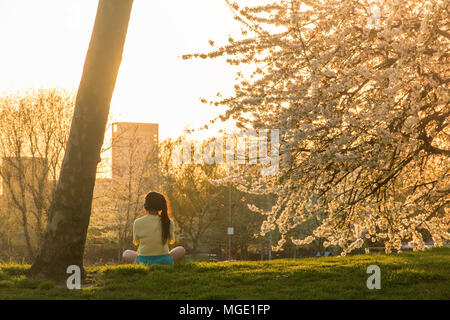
(409, 275)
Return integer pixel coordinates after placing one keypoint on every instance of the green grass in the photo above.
(411, 275)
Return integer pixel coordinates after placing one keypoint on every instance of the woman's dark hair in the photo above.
(155, 201)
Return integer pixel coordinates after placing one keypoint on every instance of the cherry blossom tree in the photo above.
(362, 104)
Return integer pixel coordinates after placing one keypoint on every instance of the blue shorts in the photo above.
(148, 260)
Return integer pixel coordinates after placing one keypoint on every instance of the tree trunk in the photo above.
(70, 210)
(27, 236)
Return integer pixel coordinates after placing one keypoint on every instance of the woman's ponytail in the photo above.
(165, 223)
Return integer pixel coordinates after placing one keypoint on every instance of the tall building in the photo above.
(134, 145)
(19, 173)
(25, 189)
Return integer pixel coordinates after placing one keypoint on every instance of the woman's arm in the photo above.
(172, 232)
(135, 238)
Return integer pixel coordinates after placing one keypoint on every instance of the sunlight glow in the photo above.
(46, 43)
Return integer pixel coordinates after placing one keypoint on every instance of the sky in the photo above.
(44, 44)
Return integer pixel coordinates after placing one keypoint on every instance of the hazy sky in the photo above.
(44, 43)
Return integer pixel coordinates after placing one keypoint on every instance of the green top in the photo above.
(147, 235)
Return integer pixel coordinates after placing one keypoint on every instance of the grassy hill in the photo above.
(410, 275)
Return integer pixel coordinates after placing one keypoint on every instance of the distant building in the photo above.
(24, 181)
(16, 172)
(132, 143)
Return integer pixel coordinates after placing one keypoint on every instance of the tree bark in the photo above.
(70, 210)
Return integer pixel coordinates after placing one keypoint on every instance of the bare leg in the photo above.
(129, 256)
(177, 253)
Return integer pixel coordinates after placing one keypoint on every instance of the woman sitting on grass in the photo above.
(153, 233)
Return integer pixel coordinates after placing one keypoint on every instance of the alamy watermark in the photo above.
(232, 148)
(74, 280)
(374, 281)
(373, 21)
